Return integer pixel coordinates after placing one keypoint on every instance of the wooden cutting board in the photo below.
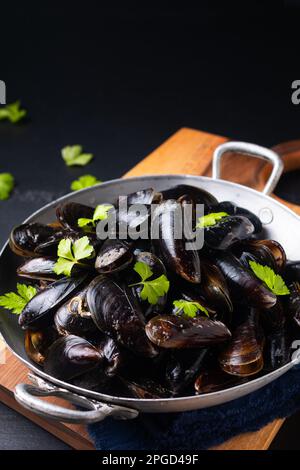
(187, 151)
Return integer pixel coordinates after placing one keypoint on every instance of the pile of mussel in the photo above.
(94, 328)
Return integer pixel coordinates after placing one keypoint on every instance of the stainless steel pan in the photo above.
(279, 223)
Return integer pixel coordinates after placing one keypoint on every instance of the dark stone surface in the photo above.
(119, 81)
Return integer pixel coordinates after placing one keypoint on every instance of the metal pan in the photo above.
(279, 223)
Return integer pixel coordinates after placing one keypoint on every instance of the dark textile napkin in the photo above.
(196, 430)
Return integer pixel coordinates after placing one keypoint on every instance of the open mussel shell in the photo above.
(25, 239)
(68, 214)
(40, 309)
(179, 332)
(243, 284)
(266, 252)
(71, 356)
(73, 317)
(214, 287)
(213, 380)
(243, 355)
(38, 268)
(233, 209)
(113, 256)
(228, 231)
(197, 195)
(171, 246)
(117, 314)
(38, 342)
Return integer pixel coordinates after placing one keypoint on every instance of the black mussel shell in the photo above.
(38, 342)
(181, 368)
(173, 250)
(213, 380)
(243, 355)
(117, 314)
(276, 350)
(38, 268)
(69, 213)
(292, 271)
(114, 255)
(25, 238)
(71, 356)
(214, 287)
(198, 195)
(294, 303)
(178, 332)
(242, 282)
(266, 252)
(73, 317)
(233, 209)
(40, 309)
(145, 388)
(273, 319)
(134, 217)
(227, 232)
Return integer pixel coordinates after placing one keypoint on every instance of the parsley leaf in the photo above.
(100, 213)
(273, 281)
(7, 183)
(190, 308)
(152, 290)
(12, 112)
(17, 302)
(72, 155)
(85, 181)
(70, 253)
(210, 219)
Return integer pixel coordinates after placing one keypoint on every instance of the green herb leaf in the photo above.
(190, 308)
(70, 253)
(85, 181)
(12, 112)
(152, 290)
(100, 213)
(7, 183)
(272, 280)
(210, 219)
(72, 155)
(17, 302)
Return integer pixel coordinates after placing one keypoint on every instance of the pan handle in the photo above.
(251, 150)
(26, 395)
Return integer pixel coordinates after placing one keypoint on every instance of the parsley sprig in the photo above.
(70, 253)
(189, 308)
(100, 213)
(73, 156)
(152, 290)
(272, 280)
(210, 219)
(12, 112)
(85, 181)
(16, 302)
(7, 183)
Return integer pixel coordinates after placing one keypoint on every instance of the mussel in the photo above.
(243, 356)
(40, 309)
(114, 255)
(242, 282)
(266, 252)
(171, 249)
(292, 271)
(197, 195)
(69, 213)
(133, 210)
(71, 356)
(25, 239)
(213, 380)
(145, 388)
(117, 314)
(38, 268)
(73, 317)
(276, 350)
(38, 342)
(214, 287)
(228, 231)
(294, 303)
(232, 209)
(177, 332)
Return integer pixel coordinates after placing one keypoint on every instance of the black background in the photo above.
(120, 80)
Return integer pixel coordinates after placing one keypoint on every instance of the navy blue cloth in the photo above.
(196, 430)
